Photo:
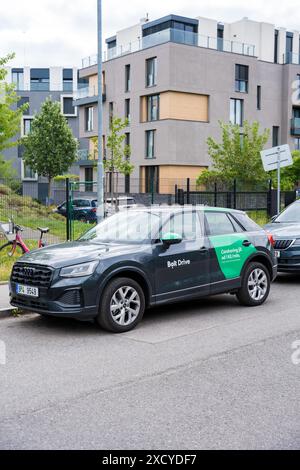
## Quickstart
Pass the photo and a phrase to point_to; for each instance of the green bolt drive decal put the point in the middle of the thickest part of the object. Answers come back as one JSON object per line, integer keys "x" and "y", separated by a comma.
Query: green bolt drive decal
{"x": 231, "y": 253}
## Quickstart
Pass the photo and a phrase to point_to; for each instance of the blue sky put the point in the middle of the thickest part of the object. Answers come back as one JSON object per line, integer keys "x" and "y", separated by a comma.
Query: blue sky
{"x": 62, "y": 32}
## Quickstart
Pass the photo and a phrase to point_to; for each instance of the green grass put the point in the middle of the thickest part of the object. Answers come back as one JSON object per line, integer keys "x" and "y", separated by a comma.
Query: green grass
{"x": 6, "y": 262}
{"x": 260, "y": 217}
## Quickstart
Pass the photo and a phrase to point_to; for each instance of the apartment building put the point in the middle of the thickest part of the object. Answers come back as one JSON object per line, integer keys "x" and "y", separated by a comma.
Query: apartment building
{"x": 175, "y": 78}
{"x": 34, "y": 85}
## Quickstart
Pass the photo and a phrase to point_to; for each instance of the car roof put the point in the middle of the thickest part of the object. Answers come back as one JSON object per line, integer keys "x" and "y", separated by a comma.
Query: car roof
{"x": 179, "y": 208}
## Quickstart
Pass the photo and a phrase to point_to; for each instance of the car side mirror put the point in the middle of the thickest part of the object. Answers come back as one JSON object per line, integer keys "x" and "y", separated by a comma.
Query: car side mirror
{"x": 171, "y": 238}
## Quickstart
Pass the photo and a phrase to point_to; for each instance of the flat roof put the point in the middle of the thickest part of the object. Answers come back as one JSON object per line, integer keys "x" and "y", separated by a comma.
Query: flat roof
{"x": 181, "y": 19}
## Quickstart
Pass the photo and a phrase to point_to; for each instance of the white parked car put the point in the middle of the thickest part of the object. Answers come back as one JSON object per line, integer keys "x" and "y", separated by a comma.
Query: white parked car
{"x": 121, "y": 203}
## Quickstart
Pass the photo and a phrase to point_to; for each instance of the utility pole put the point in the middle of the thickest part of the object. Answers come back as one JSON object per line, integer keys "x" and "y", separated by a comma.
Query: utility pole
{"x": 100, "y": 172}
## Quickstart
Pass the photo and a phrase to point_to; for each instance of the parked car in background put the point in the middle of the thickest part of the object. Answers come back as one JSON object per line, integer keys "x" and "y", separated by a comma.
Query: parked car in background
{"x": 121, "y": 203}
{"x": 84, "y": 209}
{"x": 285, "y": 229}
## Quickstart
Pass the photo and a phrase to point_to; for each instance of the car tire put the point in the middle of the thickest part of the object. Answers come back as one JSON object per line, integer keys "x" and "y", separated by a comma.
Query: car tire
{"x": 122, "y": 305}
{"x": 256, "y": 283}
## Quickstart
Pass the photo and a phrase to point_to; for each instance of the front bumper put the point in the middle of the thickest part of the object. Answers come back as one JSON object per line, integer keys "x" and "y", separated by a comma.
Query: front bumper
{"x": 66, "y": 298}
{"x": 289, "y": 260}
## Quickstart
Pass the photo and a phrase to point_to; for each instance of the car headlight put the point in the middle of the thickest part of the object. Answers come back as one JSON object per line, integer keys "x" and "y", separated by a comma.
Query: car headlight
{"x": 297, "y": 242}
{"x": 79, "y": 270}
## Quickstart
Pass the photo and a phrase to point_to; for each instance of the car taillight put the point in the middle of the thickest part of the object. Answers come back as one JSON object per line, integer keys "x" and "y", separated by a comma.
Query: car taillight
{"x": 94, "y": 209}
{"x": 271, "y": 239}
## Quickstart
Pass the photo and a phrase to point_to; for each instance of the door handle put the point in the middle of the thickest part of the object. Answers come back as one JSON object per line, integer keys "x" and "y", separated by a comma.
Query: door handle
{"x": 246, "y": 243}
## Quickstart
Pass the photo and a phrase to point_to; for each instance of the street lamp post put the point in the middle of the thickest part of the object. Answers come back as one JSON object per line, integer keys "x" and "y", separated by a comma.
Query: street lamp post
{"x": 100, "y": 172}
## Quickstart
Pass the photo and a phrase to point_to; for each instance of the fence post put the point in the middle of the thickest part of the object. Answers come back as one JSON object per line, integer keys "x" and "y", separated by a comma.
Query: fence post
{"x": 216, "y": 195}
{"x": 234, "y": 193}
{"x": 176, "y": 194}
{"x": 68, "y": 218}
{"x": 188, "y": 183}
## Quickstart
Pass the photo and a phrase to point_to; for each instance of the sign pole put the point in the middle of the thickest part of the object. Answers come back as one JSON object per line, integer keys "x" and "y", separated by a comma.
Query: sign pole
{"x": 100, "y": 173}
{"x": 278, "y": 181}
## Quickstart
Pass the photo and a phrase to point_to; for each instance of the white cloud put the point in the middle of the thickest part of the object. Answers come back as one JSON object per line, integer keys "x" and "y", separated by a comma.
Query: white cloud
{"x": 61, "y": 32}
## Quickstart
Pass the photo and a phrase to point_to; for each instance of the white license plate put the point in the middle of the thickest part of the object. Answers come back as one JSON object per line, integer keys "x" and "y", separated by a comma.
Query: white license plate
{"x": 27, "y": 290}
{"x": 277, "y": 254}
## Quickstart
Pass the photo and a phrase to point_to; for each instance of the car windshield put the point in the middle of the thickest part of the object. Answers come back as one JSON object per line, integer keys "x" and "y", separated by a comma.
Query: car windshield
{"x": 125, "y": 227}
{"x": 290, "y": 214}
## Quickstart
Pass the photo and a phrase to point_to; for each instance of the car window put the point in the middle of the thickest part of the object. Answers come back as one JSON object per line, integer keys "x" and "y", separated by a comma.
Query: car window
{"x": 246, "y": 222}
{"x": 290, "y": 214}
{"x": 94, "y": 203}
{"x": 81, "y": 203}
{"x": 63, "y": 206}
{"x": 219, "y": 223}
{"x": 186, "y": 224}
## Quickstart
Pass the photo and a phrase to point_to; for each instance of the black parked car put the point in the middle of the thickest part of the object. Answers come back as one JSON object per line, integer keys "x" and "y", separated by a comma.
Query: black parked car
{"x": 285, "y": 229}
{"x": 146, "y": 257}
{"x": 84, "y": 209}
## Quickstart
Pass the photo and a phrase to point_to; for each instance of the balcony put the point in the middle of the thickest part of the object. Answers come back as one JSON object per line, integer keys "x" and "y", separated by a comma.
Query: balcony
{"x": 84, "y": 158}
{"x": 88, "y": 95}
{"x": 295, "y": 126}
{"x": 176, "y": 36}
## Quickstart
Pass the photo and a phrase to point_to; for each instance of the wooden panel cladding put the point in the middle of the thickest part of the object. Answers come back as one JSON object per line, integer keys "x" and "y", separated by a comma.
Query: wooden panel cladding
{"x": 179, "y": 105}
{"x": 184, "y": 106}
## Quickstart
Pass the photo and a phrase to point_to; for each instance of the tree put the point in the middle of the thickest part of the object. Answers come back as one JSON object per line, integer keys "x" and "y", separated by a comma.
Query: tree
{"x": 50, "y": 148}
{"x": 290, "y": 175}
{"x": 237, "y": 156}
{"x": 118, "y": 158}
{"x": 10, "y": 117}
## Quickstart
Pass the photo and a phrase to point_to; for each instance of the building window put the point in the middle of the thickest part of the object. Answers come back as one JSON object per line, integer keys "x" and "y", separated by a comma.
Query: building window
{"x": 258, "y": 97}
{"x": 152, "y": 179}
{"x": 111, "y": 113}
{"x": 27, "y": 126}
{"x": 24, "y": 100}
{"x": 89, "y": 118}
{"x": 276, "y": 46}
{"x": 88, "y": 178}
{"x": 297, "y": 143}
{"x": 127, "y": 177}
{"x": 28, "y": 173}
{"x": 67, "y": 106}
{"x": 237, "y": 112}
{"x": 289, "y": 48}
{"x": 275, "y": 136}
{"x": 153, "y": 108}
{"x": 241, "y": 78}
{"x": 220, "y": 40}
{"x": 127, "y": 110}
{"x": 150, "y": 144}
{"x": 151, "y": 72}
{"x": 39, "y": 80}
{"x": 18, "y": 79}
{"x": 68, "y": 80}
{"x": 127, "y": 78}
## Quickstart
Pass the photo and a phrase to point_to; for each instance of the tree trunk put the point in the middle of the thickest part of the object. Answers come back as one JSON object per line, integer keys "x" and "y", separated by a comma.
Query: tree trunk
{"x": 49, "y": 190}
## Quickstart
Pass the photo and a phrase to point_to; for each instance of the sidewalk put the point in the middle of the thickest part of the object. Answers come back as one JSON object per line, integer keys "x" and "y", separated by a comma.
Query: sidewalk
{"x": 5, "y": 307}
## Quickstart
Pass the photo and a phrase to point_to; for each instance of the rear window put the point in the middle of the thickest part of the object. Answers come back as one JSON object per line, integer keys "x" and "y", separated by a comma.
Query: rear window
{"x": 219, "y": 223}
{"x": 246, "y": 222}
{"x": 81, "y": 203}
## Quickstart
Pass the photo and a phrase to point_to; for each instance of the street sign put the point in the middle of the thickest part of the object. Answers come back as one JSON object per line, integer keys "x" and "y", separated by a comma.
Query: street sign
{"x": 274, "y": 159}
{"x": 270, "y": 157}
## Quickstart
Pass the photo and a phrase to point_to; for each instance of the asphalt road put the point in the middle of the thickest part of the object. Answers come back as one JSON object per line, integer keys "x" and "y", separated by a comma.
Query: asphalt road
{"x": 205, "y": 375}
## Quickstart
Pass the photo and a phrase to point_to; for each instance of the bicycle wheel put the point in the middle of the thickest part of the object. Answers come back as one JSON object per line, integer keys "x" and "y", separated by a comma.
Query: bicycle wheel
{"x": 12, "y": 250}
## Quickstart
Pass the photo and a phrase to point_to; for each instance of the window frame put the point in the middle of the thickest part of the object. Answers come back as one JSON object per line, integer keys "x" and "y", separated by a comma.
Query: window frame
{"x": 149, "y": 132}
{"x": 151, "y": 60}
{"x": 241, "y": 111}
{"x": 89, "y": 119}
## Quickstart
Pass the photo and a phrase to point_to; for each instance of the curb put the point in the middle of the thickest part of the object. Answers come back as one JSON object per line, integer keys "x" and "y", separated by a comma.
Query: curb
{"x": 6, "y": 312}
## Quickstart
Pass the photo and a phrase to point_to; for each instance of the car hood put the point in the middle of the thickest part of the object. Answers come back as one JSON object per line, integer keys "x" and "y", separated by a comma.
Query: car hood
{"x": 284, "y": 230}
{"x": 68, "y": 254}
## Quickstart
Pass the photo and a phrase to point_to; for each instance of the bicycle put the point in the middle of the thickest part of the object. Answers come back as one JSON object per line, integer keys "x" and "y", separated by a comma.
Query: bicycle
{"x": 18, "y": 247}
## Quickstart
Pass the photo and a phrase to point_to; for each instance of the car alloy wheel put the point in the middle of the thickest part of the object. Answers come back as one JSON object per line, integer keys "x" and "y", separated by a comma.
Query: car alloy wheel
{"x": 257, "y": 284}
{"x": 125, "y": 305}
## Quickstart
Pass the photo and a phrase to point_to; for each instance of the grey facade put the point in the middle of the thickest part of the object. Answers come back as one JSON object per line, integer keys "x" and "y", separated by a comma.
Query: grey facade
{"x": 270, "y": 96}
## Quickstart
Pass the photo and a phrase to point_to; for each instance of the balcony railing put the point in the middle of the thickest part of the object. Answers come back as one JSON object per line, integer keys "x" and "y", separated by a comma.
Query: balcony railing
{"x": 295, "y": 126}
{"x": 89, "y": 92}
{"x": 177, "y": 36}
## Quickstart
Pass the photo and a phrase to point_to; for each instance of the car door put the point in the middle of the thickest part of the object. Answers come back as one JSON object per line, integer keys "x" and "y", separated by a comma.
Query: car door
{"x": 181, "y": 270}
{"x": 229, "y": 249}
